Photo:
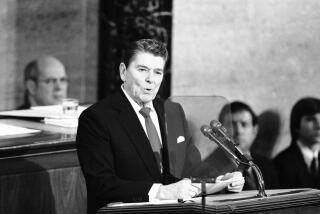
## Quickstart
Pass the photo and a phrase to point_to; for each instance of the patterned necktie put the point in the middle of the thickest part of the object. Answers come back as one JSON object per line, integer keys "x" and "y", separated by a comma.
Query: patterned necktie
{"x": 152, "y": 135}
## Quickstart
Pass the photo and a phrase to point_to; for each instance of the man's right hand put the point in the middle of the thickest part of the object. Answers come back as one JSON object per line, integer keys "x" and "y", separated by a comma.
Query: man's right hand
{"x": 180, "y": 190}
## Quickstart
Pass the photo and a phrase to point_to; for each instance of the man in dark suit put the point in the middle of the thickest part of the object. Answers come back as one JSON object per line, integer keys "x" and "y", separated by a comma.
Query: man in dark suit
{"x": 242, "y": 123}
{"x": 117, "y": 152}
{"x": 298, "y": 165}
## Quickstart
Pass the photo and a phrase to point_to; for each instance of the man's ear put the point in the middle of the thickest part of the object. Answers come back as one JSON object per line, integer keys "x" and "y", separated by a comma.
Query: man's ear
{"x": 123, "y": 71}
{"x": 31, "y": 86}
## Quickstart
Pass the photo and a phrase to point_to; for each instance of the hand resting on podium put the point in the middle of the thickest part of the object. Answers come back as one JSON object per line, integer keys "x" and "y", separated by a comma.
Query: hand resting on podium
{"x": 234, "y": 181}
{"x": 185, "y": 189}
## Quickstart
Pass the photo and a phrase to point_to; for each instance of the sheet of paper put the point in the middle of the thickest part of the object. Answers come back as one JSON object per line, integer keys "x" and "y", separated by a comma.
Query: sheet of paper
{"x": 68, "y": 122}
{"x": 120, "y": 204}
{"x": 15, "y": 130}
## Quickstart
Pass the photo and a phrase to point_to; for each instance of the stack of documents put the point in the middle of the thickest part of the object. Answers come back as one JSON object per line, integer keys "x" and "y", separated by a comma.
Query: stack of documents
{"x": 15, "y": 130}
{"x": 48, "y": 114}
{"x": 65, "y": 122}
{"x": 54, "y": 115}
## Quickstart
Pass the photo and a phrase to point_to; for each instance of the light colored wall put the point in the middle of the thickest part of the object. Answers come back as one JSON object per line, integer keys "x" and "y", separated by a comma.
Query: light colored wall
{"x": 264, "y": 52}
{"x": 65, "y": 29}
{"x": 7, "y": 53}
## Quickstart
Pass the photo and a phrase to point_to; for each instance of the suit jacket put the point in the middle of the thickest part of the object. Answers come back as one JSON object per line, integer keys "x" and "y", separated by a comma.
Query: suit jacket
{"x": 115, "y": 154}
{"x": 268, "y": 171}
{"x": 26, "y": 104}
{"x": 293, "y": 171}
{"x": 183, "y": 154}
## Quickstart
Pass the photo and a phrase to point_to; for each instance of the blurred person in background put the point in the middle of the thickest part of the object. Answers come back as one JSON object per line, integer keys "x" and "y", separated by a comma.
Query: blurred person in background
{"x": 46, "y": 82}
{"x": 298, "y": 165}
{"x": 242, "y": 123}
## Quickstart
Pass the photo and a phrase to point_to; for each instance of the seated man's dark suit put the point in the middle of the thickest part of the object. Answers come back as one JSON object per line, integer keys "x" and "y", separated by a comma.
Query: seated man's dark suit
{"x": 115, "y": 154}
{"x": 25, "y": 105}
{"x": 268, "y": 171}
{"x": 293, "y": 171}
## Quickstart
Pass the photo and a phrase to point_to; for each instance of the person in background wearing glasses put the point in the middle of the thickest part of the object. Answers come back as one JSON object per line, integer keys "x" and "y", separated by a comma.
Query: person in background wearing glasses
{"x": 46, "y": 82}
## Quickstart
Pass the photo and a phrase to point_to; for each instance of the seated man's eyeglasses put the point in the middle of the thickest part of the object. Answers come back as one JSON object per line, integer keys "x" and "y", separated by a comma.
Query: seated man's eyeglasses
{"x": 52, "y": 81}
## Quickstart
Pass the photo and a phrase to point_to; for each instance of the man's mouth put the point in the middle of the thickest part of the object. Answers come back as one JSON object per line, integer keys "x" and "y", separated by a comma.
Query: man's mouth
{"x": 148, "y": 90}
{"x": 57, "y": 96}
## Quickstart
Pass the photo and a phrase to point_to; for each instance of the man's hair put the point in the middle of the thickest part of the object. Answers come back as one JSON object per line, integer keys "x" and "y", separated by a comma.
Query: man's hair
{"x": 304, "y": 107}
{"x": 235, "y": 107}
{"x": 152, "y": 46}
{"x": 31, "y": 71}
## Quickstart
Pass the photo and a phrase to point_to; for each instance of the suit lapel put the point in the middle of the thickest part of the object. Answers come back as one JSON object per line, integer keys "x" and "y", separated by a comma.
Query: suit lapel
{"x": 304, "y": 173}
{"x": 159, "y": 107}
{"x": 133, "y": 128}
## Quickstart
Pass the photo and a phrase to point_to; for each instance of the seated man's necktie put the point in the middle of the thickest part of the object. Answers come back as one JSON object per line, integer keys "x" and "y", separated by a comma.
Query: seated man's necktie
{"x": 314, "y": 168}
{"x": 152, "y": 135}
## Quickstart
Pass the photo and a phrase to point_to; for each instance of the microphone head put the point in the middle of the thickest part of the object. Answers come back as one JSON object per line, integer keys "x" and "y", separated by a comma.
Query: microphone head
{"x": 215, "y": 124}
{"x": 205, "y": 129}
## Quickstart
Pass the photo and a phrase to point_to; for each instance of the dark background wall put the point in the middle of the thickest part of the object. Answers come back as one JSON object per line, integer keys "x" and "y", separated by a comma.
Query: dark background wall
{"x": 122, "y": 22}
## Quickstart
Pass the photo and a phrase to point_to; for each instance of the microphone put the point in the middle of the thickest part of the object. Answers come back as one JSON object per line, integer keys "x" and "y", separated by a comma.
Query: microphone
{"x": 222, "y": 130}
{"x": 217, "y": 126}
{"x": 205, "y": 129}
{"x": 208, "y": 132}
{"x": 241, "y": 159}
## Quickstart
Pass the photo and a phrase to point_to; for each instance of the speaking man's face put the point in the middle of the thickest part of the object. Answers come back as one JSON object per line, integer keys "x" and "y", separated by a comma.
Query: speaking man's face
{"x": 143, "y": 76}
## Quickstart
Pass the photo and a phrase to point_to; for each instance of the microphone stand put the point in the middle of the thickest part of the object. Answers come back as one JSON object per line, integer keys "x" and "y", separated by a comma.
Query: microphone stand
{"x": 258, "y": 174}
{"x": 247, "y": 162}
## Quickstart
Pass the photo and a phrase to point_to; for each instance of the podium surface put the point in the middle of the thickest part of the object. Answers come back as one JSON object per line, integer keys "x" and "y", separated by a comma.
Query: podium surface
{"x": 278, "y": 201}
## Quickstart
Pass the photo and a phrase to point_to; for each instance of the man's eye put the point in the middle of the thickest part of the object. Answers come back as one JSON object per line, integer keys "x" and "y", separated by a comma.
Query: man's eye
{"x": 49, "y": 81}
{"x": 142, "y": 69}
{"x": 244, "y": 124}
{"x": 64, "y": 80}
{"x": 310, "y": 118}
{"x": 158, "y": 72}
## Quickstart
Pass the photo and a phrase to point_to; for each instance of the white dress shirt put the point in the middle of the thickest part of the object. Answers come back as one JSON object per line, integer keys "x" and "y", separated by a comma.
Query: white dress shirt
{"x": 308, "y": 154}
{"x": 154, "y": 117}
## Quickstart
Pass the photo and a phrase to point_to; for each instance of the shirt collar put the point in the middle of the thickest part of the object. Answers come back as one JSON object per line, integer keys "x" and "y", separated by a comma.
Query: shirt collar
{"x": 306, "y": 151}
{"x": 135, "y": 105}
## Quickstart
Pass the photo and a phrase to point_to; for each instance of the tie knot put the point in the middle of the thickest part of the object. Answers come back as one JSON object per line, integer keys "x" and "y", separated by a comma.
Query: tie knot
{"x": 145, "y": 111}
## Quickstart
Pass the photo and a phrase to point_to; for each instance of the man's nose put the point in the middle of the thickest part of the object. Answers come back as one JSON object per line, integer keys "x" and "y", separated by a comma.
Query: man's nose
{"x": 237, "y": 129}
{"x": 59, "y": 83}
{"x": 150, "y": 77}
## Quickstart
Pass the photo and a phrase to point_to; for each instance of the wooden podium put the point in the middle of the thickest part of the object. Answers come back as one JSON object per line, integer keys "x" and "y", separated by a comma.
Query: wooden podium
{"x": 40, "y": 172}
{"x": 278, "y": 201}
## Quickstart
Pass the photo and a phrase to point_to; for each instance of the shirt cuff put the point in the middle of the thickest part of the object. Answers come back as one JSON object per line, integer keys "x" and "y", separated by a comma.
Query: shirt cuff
{"x": 153, "y": 192}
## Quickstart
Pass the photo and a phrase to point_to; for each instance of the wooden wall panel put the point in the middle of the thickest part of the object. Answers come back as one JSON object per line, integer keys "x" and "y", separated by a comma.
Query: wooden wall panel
{"x": 54, "y": 191}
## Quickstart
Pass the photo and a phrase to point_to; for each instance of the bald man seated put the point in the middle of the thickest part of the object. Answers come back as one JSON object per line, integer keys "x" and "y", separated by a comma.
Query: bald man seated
{"x": 46, "y": 82}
